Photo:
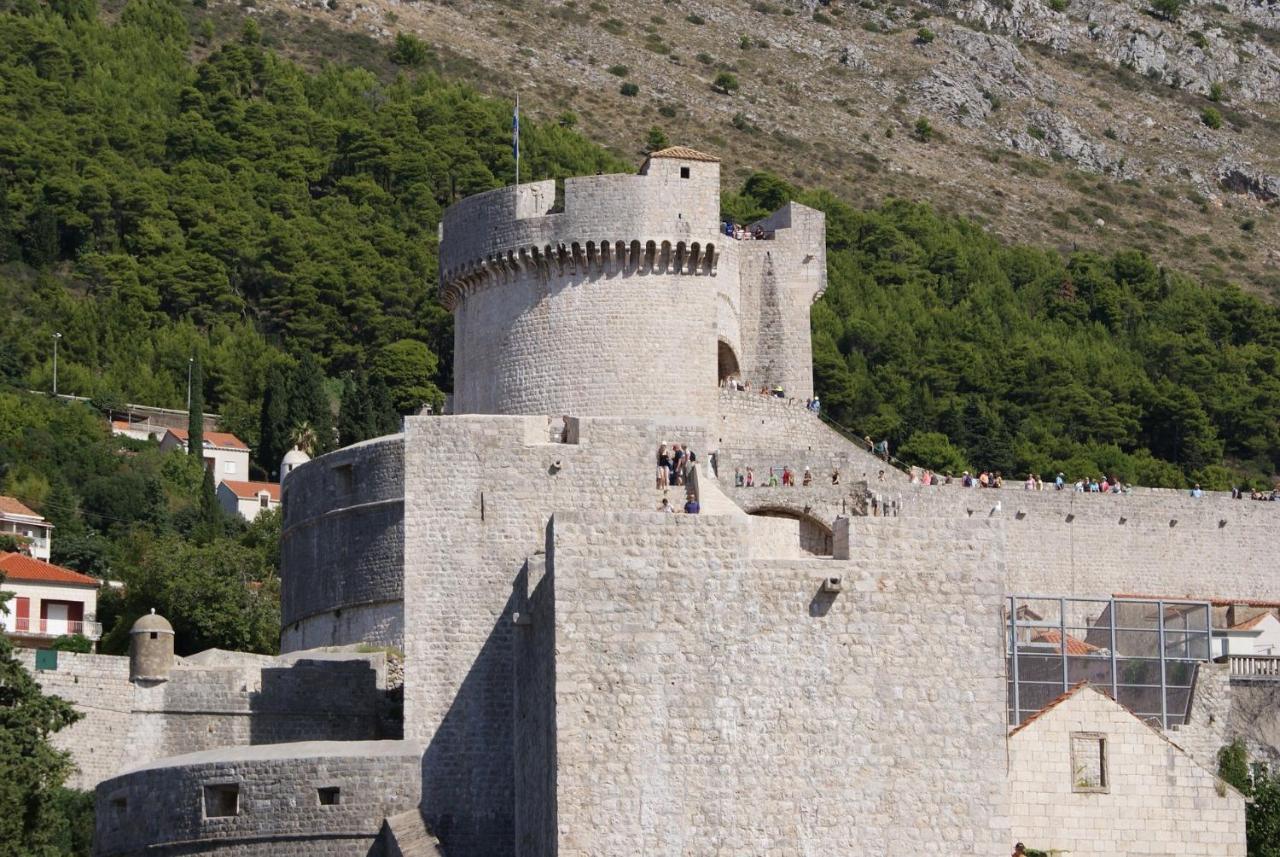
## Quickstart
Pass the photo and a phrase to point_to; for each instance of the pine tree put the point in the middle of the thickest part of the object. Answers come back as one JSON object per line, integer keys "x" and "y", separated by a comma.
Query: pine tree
{"x": 309, "y": 402}
{"x": 273, "y": 425}
{"x": 195, "y": 412}
{"x": 9, "y": 247}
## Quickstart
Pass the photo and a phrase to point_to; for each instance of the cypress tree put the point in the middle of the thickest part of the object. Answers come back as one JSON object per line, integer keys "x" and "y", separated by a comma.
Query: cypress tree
{"x": 273, "y": 422}
{"x": 10, "y": 249}
{"x": 195, "y": 413}
{"x": 354, "y": 411}
{"x": 384, "y": 418}
{"x": 309, "y": 402}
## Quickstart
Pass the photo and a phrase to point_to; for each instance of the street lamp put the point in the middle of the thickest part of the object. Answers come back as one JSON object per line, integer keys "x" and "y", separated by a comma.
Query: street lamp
{"x": 190, "y": 361}
{"x": 56, "y": 337}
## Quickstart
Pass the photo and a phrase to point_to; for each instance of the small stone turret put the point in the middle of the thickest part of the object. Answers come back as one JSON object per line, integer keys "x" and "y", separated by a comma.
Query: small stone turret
{"x": 293, "y": 458}
{"x": 150, "y": 648}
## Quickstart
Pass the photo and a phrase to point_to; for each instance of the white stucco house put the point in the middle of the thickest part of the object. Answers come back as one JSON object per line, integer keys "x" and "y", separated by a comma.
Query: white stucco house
{"x": 49, "y": 601}
{"x": 29, "y": 526}
{"x": 1089, "y": 779}
{"x": 248, "y": 499}
{"x": 224, "y": 453}
{"x": 1259, "y": 635}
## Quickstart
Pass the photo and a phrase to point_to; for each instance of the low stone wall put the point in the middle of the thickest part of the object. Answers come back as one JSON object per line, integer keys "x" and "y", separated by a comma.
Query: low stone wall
{"x": 272, "y": 801}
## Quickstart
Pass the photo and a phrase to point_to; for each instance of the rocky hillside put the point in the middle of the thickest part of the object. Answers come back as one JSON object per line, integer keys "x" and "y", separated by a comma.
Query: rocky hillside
{"x": 1088, "y": 123}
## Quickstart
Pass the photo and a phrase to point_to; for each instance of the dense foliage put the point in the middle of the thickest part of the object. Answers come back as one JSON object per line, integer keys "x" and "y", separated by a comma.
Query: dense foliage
{"x": 38, "y": 817}
{"x": 1261, "y": 786}
{"x": 964, "y": 351}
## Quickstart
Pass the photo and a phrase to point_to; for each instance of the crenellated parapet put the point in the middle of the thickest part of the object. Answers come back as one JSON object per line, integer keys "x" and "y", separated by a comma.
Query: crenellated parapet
{"x": 580, "y": 258}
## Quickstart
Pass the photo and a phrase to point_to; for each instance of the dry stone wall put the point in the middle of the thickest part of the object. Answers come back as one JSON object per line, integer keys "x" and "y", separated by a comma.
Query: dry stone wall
{"x": 342, "y": 548}
{"x": 710, "y": 704}
{"x": 162, "y": 809}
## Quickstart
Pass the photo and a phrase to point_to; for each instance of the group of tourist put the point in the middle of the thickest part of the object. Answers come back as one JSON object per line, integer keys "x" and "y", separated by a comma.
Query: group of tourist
{"x": 1255, "y": 494}
{"x": 738, "y": 232}
{"x": 674, "y": 466}
{"x": 781, "y": 477}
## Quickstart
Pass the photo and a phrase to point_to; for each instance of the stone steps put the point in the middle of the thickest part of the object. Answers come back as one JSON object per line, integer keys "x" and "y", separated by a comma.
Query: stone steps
{"x": 406, "y": 835}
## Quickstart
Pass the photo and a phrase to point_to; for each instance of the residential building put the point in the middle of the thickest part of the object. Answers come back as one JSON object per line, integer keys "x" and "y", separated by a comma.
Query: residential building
{"x": 248, "y": 499}
{"x": 49, "y": 601}
{"x": 226, "y": 455}
{"x": 1259, "y": 635}
{"x": 35, "y": 532}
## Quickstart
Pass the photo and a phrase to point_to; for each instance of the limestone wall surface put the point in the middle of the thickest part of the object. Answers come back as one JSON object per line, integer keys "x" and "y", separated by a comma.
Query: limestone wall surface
{"x": 162, "y": 808}
{"x": 479, "y": 492}
{"x": 1157, "y": 800}
{"x": 710, "y": 704}
{"x": 1146, "y": 543}
{"x": 99, "y": 688}
{"x": 342, "y": 548}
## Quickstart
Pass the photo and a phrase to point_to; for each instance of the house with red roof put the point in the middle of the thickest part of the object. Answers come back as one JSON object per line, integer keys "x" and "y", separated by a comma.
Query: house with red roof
{"x": 226, "y": 455}
{"x": 35, "y": 533}
{"x": 1259, "y": 635}
{"x": 48, "y": 601}
{"x": 248, "y": 499}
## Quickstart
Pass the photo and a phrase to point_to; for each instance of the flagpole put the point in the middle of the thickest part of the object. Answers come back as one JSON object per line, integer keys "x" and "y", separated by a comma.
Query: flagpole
{"x": 516, "y": 134}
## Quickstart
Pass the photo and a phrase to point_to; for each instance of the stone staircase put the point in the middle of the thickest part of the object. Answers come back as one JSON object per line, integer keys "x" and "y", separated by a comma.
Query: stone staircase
{"x": 406, "y": 835}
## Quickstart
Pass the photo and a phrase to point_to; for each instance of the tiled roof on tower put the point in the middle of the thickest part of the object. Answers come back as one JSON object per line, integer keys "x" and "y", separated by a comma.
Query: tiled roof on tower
{"x": 684, "y": 153}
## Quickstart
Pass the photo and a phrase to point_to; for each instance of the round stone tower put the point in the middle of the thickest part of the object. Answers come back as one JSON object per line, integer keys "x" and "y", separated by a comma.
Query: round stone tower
{"x": 292, "y": 459}
{"x": 608, "y": 303}
{"x": 150, "y": 648}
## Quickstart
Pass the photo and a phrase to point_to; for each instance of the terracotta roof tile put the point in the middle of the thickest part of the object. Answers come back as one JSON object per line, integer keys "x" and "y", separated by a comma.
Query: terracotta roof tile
{"x": 10, "y": 506}
{"x": 1053, "y": 703}
{"x": 1250, "y": 624}
{"x": 250, "y": 490}
{"x": 220, "y": 439}
{"x": 16, "y": 566}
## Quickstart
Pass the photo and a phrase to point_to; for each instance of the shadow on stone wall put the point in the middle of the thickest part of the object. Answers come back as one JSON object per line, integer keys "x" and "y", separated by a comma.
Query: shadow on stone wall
{"x": 321, "y": 700}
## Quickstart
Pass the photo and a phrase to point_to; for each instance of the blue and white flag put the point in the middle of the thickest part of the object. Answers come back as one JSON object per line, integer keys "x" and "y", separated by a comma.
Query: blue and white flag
{"x": 515, "y": 132}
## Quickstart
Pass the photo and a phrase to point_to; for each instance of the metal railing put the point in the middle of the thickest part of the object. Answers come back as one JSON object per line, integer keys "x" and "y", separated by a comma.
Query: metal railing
{"x": 1255, "y": 667}
{"x": 50, "y": 627}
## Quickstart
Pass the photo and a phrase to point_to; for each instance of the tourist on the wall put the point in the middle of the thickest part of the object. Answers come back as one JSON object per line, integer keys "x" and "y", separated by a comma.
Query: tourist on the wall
{"x": 691, "y": 505}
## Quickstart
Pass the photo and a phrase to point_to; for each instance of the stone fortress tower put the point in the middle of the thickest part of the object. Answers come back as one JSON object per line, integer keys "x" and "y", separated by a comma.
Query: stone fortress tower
{"x": 627, "y": 298}
{"x": 815, "y": 669}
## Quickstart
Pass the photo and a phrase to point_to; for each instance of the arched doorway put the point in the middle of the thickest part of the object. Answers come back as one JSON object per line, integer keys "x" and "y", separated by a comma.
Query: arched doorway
{"x": 728, "y": 362}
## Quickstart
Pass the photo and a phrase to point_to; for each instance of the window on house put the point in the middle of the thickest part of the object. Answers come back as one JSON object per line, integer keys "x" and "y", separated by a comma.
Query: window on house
{"x": 329, "y": 795}
{"x": 263, "y": 500}
{"x": 684, "y": 172}
{"x": 221, "y": 800}
{"x": 228, "y": 467}
{"x": 1088, "y": 762}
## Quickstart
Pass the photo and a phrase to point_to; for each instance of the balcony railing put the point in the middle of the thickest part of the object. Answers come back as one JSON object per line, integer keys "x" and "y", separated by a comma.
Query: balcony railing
{"x": 1255, "y": 667}
{"x": 26, "y": 627}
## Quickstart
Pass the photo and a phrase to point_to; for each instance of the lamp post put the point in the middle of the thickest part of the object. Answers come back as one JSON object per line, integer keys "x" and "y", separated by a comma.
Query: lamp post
{"x": 56, "y": 337}
{"x": 190, "y": 361}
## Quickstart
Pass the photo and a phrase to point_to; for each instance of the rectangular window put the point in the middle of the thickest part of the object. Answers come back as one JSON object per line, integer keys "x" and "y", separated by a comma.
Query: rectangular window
{"x": 346, "y": 478}
{"x": 684, "y": 172}
{"x": 263, "y": 500}
{"x": 221, "y": 800}
{"x": 1088, "y": 762}
{"x": 329, "y": 795}
{"x": 228, "y": 467}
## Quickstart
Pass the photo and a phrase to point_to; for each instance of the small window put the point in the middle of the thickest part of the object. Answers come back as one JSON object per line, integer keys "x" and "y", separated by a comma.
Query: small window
{"x": 684, "y": 172}
{"x": 263, "y": 500}
{"x": 155, "y": 635}
{"x": 1088, "y": 762}
{"x": 329, "y": 795}
{"x": 346, "y": 478}
{"x": 222, "y": 800}
{"x": 119, "y": 809}
{"x": 228, "y": 467}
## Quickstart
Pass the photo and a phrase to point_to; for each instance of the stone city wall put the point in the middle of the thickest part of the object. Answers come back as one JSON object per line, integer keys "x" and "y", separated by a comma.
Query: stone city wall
{"x": 1147, "y": 543}
{"x": 164, "y": 809}
{"x": 709, "y": 704}
{"x": 342, "y": 548}
{"x": 1156, "y": 799}
{"x": 246, "y": 699}
{"x": 479, "y": 491}
{"x": 99, "y": 688}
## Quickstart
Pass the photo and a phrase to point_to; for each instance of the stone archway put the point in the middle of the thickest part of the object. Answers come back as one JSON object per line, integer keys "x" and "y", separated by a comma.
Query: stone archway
{"x": 815, "y": 536}
{"x": 727, "y": 361}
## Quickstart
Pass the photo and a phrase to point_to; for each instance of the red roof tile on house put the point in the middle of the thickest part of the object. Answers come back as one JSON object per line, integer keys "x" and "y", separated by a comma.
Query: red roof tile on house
{"x": 1074, "y": 646}
{"x": 220, "y": 439}
{"x": 16, "y": 566}
{"x": 251, "y": 490}
{"x": 10, "y": 506}
{"x": 1250, "y": 624}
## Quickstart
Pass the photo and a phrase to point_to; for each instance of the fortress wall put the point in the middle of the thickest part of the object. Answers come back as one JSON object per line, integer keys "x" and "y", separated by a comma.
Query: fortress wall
{"x": 1168, "y": 543}
{"x": 753, "y": 429}
{"x": 342, "y": 548}
{"x": 479, "y": 493}
{"x": 598, "y": 342}
{"x": 748, "y": 713}
{"x": 660, "y": 206}
{"x": 160, "y": 809}
{"x": 99, "y": 688}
